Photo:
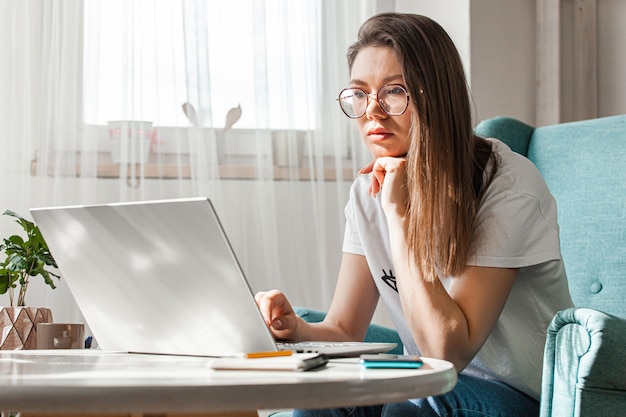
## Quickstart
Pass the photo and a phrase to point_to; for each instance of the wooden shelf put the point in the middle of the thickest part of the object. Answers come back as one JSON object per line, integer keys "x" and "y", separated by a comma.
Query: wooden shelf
{"x": 173, "y": 166}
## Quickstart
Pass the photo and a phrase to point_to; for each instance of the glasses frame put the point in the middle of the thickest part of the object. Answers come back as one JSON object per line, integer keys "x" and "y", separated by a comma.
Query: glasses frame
{"x": 375, "y": 96}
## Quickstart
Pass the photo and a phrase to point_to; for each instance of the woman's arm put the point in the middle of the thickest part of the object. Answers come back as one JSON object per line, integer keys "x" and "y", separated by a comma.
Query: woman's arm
{"x": 354, "y": 300}
{"x": 348, "y": 317}
{"x": 454, "y": 325}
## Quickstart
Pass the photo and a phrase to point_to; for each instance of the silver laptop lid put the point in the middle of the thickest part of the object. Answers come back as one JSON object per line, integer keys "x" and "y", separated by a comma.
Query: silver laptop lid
{"x": 155, "y": 277}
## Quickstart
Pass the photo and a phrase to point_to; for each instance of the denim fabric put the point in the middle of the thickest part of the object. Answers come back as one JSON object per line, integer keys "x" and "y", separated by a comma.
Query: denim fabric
{"x": 472, "y": 397}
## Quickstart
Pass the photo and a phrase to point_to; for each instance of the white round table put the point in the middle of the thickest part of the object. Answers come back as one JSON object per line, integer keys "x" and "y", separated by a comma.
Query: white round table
{"x": 99, "y": 382}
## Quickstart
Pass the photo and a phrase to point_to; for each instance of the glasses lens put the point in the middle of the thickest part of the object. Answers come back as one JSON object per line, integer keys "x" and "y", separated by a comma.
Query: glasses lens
{"x": 393, "y": 99}
{"x": 353, "y": 102}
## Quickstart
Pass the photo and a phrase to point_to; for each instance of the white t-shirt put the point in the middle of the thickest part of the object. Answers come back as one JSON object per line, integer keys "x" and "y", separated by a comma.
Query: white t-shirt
{"x": 516, "y": 228}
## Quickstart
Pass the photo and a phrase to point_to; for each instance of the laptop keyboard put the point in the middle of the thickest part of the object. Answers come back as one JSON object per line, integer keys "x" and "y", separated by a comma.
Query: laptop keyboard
{"x": 305, "y": 347}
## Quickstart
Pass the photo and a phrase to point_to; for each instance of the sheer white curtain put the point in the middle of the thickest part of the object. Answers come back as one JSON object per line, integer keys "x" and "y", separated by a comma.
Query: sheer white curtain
{"x": 76, "y": 74}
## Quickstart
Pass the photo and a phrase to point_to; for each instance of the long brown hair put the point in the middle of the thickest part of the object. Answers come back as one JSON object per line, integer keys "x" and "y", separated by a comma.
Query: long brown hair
{"x": 446, "y": 162}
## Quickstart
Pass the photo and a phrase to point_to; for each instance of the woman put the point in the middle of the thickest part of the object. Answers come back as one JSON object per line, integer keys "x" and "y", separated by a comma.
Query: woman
{"x": 456, "y": 233}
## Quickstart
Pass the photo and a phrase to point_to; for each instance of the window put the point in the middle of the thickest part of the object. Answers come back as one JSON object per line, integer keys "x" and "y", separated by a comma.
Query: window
{"x": 144, "y": 58}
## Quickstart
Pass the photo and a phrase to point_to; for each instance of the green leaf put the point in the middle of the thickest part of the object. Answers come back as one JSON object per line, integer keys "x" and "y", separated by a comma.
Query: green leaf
{"x": 17, "y": 262}
{"x": 28, "y": 226}
{"x": 47, "y": 279}
{"x": 7, "y": 280}
{"x": 15, "y": 241}
{"x": 25, "y": 257}
{"x": 11, "y": 213}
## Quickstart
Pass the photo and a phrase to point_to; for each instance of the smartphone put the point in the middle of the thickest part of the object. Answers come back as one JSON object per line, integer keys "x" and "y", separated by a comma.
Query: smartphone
{"x": 313, "y": 362}
{"x": 387, "y": 360}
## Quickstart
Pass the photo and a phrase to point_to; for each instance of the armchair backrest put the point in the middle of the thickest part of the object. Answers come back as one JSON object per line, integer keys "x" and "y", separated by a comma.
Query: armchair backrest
{"x": 584, "y": 165}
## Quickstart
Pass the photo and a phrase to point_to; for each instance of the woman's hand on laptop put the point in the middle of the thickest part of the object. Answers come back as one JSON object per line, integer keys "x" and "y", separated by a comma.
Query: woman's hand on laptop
{"x": 283, "y": 322}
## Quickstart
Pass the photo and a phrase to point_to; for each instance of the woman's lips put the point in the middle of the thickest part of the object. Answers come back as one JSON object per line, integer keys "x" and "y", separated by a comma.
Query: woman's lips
{"x": 378, "y": 134}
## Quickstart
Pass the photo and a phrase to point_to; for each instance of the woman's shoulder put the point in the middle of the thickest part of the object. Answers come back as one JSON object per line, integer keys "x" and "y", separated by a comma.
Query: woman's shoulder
{"x": 359, "y": 189}
{"x": 517, "y": 190}
{"x": 515, "y": 172}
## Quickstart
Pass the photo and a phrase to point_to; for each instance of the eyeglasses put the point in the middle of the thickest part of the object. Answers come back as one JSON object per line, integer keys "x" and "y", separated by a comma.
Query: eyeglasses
{"x": 393, "y": 99}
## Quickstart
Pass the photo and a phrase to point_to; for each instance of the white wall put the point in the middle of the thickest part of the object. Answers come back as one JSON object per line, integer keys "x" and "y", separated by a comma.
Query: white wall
{"x": 453, "y": 15}
{"x": 502, "y": 59}
{"x": 611, "y": 57}
{"x": 496, "y": 40}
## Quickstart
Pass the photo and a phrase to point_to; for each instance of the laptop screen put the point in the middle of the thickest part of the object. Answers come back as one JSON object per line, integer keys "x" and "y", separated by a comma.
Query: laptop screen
{"x": 155, "y": 277}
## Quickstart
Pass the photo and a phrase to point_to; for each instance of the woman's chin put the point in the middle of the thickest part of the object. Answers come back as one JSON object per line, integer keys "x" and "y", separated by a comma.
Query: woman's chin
{"x": 389, "y": 154}
{"x": 379, "y": 151}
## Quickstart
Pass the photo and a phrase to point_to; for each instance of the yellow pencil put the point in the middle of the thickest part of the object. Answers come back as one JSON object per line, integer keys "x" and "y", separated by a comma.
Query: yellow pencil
{"x": 269, "y": 354}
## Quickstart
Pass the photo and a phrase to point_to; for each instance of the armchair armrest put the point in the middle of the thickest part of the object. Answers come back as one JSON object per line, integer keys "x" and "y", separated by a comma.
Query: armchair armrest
{"x": 584, "y": 369}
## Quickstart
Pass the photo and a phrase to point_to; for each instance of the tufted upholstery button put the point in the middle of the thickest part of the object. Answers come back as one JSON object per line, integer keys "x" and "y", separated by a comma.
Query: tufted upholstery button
{"x": 596, "y": 287}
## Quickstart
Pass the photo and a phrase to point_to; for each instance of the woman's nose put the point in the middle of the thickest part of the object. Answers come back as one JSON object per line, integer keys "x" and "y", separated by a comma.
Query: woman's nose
{"x": 374, "y": 109}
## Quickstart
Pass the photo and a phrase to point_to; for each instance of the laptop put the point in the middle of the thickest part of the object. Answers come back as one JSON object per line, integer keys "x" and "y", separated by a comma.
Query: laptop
{"x": 161, "y": 277}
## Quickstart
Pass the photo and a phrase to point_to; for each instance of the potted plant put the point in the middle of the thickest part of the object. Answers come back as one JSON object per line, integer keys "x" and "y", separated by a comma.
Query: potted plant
{"x": 25, "y": 258}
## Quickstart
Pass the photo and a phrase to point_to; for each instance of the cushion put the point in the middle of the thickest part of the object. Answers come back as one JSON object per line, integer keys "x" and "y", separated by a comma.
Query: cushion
{"x": 514, "y": 133}
{"x": 584, "y": 165}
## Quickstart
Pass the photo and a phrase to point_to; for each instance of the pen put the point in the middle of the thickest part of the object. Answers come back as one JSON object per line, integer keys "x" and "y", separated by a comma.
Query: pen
{"x": 269, "y": 354}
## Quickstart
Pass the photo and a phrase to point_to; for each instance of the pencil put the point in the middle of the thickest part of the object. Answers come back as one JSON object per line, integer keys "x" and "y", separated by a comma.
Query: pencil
{"x": 269, "y": 354}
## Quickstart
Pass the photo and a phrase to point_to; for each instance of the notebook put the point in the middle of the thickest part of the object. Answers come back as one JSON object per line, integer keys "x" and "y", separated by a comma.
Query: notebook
{"x": 161, "y": 277}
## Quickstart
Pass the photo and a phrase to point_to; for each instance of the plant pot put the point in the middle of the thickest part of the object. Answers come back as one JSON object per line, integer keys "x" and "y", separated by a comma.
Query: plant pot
{"x": 19, "y": 326}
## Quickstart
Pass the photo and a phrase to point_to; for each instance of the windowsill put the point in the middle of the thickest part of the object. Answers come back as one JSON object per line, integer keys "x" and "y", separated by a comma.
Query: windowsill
{"x": 173, "y": 166}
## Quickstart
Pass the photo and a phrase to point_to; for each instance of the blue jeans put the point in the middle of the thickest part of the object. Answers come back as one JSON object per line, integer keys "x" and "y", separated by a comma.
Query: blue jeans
{"x": 472, "y": 397}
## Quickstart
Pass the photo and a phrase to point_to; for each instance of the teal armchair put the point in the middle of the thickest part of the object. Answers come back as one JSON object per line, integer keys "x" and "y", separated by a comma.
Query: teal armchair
{"x": 584, "y": 164}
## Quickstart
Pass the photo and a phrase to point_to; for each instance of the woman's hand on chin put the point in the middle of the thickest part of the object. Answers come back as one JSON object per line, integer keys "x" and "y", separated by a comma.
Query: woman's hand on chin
{"x": 392, "y": 172}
